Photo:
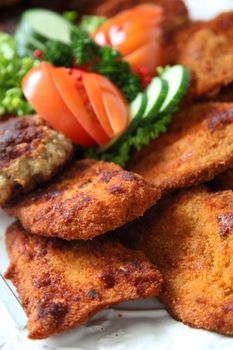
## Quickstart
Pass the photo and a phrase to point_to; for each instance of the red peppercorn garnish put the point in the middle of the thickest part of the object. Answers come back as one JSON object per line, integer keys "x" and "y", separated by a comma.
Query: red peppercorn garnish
{"x": 143, "y": 71}
{"x": 69, "y": 70}
{"x": 38, "y": 53}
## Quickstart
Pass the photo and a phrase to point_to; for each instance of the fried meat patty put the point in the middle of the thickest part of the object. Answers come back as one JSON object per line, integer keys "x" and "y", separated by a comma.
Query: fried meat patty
{"x": 197, "y": 146}
{"x": 209, "y": 58}
{"x": 206, "y": 48}
{"x": 189, "y": 236}
{"x": 88, "y": 199}
{"x": 30, "y": 153}
{"x": 63, "y": 284}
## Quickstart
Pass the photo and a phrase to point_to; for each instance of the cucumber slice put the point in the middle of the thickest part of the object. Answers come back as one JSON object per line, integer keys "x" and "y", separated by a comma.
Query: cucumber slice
{"x": 137, "y": 107}
{"x": 48, "y": 25}
{"x": 45, "y": 25}
{"x": 156, "y": 93}
{"x": 177, "y": 78}
{"x": 136, "y": 110}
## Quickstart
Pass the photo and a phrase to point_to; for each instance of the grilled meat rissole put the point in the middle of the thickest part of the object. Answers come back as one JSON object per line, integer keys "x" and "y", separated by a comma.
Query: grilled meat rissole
{"x": 30, "y": 152}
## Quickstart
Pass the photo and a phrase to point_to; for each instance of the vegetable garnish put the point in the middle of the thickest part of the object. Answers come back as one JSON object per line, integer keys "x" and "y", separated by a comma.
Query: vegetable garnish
{"x": 88, "y": 91}
{"x": 74, "y": 102}
{"x": 150, "y": 113}
{"x": 91, "y": 23}
{"x": 12, "y": 70}
{"x": 136, "y": 33}
{"x": 63, "y": 44}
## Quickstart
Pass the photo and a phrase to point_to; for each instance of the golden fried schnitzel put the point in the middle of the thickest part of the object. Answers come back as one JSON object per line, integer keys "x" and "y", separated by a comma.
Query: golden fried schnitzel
{"x": 30, "y": 152}
{"x": 63, "y": 284}
{"x": 189, "y": 236}
{"x": 197, "y": 146}
{"x": 87, "y": 200}
{"x": 205, "y": 47}
{"x": 210, "y": 61}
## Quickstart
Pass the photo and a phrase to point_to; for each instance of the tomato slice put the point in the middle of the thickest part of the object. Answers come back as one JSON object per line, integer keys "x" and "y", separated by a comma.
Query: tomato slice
{"x": 137, "y": 40}
{"x": 132, "y": 32}
{"x": 74, "y": 95}
{"x": 117, "y": 113}
{"x": 43, "y": 96}
{"x": 94, "y": 93}
{"x": 149, "y": 56}
{"x": 114, "y": 104}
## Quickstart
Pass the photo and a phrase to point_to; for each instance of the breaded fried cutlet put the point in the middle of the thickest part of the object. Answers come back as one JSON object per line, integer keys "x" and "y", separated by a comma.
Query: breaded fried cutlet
{"x": 189, "y": 236}
{"x": 209, "y": 58}
{"x": 88, "y": 199}
{"x": 175, "y": 10}
{"x": 197, "y": 146}
{"x": 63, "y": 284}
{"x": 30, "y": 152}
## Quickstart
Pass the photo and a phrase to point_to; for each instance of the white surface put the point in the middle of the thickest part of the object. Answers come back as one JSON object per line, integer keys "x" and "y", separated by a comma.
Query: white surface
{"x": 143, "y": 325}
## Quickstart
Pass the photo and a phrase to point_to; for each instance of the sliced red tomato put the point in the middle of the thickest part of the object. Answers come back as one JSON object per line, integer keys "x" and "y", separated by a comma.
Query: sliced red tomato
{"x": 115, "y": 104}
{"x": 115, "y": 108}
{"x": 149, "y": 56}
{"x": 94, "y": 93}
{"x": 137, "y": 40}
{"x": 132, "y": 32}
{"x": 74, "y": 95}
{"x": 41, "y": 92}
{"x": 117, "y": 111}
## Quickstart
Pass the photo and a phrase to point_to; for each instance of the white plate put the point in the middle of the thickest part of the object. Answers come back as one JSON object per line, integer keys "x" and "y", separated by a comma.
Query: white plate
{"x": 141, "y": 325}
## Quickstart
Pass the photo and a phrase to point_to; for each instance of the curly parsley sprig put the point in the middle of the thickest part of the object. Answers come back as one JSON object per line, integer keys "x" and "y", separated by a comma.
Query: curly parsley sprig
{"x": 12, "y": 70}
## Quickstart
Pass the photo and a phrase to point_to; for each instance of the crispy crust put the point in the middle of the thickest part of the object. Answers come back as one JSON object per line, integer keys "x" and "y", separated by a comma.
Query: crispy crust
{"x": 206, "y": 48}
{"x": 189, "y": 236}
{"x": 63, "y": 284}
{"x": 210, "y": 61}
{"x": 87, "y": 200}
{"x": 30, "y": 153}
{"x": 198, "y": 145}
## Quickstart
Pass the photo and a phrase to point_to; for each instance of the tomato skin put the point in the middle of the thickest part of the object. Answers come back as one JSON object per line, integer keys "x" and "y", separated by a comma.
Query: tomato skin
{"x": 40, "y": 91}
{"x": 93, "y": 89}
{"x": 134, "y": 29}
{"x": 73, "y": 93}
{"x": 86, "y": 107}
{"x": 142, "y": 58}
{"x": 115, "y": 108}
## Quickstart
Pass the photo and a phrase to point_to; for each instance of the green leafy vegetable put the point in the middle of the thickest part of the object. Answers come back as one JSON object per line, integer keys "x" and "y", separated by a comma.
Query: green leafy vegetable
{"x": 58, "y": 54}
{"x": 91, "y": 23}
{"x": 70, "y": 16}
{"x": 12, "y": 70}
{"x": 141, "y": 138}
{"x": 106, "y": 61}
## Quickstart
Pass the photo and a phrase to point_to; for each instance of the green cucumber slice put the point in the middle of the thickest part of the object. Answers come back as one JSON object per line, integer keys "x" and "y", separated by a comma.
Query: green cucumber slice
{"x": 156, "y": 93}
{"x": 177, "y": 78}
{"x": 44, "y": 25}
{"x": 137, "y": 107}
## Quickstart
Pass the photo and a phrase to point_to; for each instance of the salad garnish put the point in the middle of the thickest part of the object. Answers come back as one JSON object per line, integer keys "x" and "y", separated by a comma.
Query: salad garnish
{"x": 87, "y": 89}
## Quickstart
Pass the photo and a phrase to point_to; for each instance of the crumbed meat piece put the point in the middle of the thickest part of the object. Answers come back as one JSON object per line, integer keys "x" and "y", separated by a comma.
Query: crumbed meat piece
{"x": 88, "y": 199}
{"x": 197, "y": 146}
{"x": 30, "y": 153}
{"x": 189, "y": 236}
{"x": 63, "y": 284}
{"x": 210, "y": 61}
